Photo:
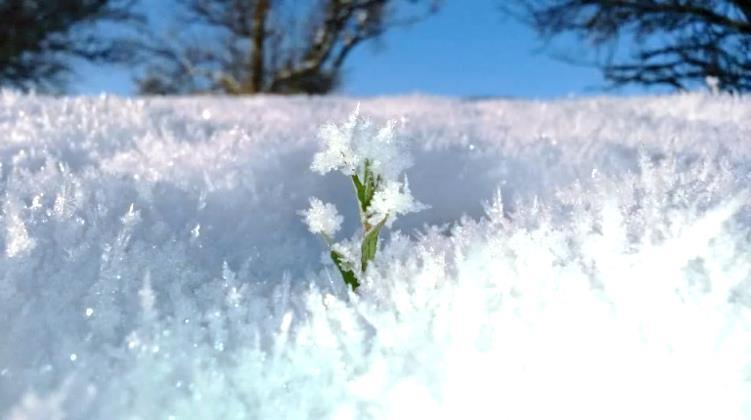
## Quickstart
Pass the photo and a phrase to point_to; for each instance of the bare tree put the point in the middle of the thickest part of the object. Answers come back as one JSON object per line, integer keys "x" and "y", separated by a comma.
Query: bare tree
{"x": 39, "y": 39}
{"x": 678, "y": 43}
{"x": 279, "y": 46}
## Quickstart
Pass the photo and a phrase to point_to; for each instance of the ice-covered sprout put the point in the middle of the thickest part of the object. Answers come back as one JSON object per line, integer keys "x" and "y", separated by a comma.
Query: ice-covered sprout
{"x": 375, "y": 158}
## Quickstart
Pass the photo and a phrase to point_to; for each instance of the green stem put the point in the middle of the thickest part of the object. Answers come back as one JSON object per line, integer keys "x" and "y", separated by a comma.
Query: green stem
{"x": 369, "y": 245}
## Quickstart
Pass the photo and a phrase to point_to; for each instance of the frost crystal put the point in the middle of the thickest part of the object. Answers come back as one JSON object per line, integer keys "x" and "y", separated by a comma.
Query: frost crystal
{"x": 338, "y": 154}
{"x": 393, "y": 199}
{"x": 147, "y": 297}
{"x": 322, "y": 218}
{"x": 349, "y": 145}
{"x": 17, "y": 240}
{"x": 33, "y": 407}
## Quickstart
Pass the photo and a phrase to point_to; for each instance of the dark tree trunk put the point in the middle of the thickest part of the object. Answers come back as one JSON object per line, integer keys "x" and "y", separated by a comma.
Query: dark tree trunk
{"x": 257, "y": 55}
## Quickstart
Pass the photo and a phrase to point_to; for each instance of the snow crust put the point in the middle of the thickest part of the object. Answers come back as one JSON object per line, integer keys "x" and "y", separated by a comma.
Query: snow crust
{"x": 581, "y": 258}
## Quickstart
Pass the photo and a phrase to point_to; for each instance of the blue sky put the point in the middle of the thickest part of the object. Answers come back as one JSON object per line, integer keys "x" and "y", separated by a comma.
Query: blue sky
{"x": 468, "y": 49}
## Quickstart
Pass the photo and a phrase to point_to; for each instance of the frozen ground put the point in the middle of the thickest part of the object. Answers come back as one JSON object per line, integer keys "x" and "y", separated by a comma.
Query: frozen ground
{"x": 154, "y": 265}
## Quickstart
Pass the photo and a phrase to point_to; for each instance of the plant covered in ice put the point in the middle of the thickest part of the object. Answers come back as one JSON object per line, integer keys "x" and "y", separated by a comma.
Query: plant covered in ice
{"x": 375, "y": 159}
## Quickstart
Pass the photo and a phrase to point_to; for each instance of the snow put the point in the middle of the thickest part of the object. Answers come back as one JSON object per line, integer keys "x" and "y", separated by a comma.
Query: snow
{"x": 581, "y": 258}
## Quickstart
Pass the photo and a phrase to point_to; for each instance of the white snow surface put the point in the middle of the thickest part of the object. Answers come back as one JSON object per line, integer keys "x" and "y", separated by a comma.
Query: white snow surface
{"x": 581, "y": 258}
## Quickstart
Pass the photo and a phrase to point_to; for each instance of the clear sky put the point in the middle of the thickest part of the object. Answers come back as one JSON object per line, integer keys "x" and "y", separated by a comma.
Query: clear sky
{"x": 468, "y": 49}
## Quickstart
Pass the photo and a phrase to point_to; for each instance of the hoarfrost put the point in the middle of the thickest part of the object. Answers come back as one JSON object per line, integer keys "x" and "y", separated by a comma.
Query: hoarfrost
{"x": 623, "y": 295}
{"x": 322, "y": 218}
{"x": 393, "y": 199}
{"x": 347, "y": 146}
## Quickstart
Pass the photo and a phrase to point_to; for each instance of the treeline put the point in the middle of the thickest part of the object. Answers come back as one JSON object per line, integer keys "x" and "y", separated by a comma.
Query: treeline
{"x": 240, "y": 47}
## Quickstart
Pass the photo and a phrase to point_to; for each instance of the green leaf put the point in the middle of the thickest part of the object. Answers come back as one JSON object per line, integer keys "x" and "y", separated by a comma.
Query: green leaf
{"x": 347, "y": 274}
{"x": 370, "y": 244}
{"x": 371, "y": 182}
{"x": 360, "y": 190}
{"x": 366, "y": 187}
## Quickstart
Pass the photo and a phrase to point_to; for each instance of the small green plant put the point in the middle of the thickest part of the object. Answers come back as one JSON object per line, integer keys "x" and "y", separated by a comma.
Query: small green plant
{"x": 375, "y": 159}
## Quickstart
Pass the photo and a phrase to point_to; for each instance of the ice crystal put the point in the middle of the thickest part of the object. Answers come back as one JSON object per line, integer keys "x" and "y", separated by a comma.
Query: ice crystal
{"x": 322, "y": 218}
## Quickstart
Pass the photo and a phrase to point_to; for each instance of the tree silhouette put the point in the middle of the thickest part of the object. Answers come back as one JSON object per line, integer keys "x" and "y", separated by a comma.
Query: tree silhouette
{"x": 678, "y": 43}
{"x": 40, "y": 39}
{"x": 253, "y": 46}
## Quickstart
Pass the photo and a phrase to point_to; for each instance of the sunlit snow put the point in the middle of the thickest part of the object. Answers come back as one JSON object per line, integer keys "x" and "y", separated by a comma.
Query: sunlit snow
{"x": 581, "y": 258}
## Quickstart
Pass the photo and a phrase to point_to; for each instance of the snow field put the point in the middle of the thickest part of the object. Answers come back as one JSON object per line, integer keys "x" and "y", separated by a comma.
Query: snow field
{"x": 586, "y": 258}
